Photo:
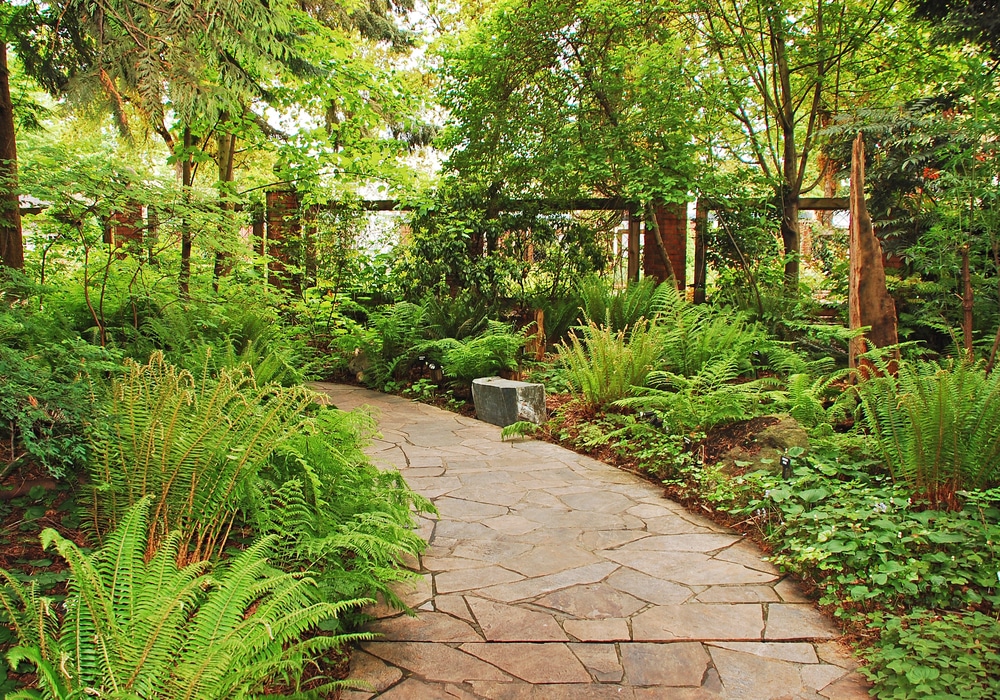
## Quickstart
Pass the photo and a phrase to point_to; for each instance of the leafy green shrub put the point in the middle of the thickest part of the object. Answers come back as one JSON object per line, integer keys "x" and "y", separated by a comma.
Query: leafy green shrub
{"x": 605, "y": 364}
{"x": 936, "y": 428}
{"x": 197, "y": 446}
{"x": 484, "y": 355}
{"x": 138, "y": 628}
{"x": 461, "y": 316}
{"x": 45, "y": 395}
{"x": 924, "y": 654}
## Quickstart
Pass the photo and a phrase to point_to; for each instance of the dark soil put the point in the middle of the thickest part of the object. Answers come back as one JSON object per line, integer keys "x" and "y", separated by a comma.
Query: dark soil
{"x": 742, "y": 434}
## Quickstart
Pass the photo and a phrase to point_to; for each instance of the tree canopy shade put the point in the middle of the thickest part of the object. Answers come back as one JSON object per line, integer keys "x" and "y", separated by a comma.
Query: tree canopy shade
{"x": 569, "y": 98}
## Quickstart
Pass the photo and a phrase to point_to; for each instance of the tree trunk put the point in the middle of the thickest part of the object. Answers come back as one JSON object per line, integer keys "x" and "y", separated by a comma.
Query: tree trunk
{"x": 869, "y": 303}
{"x": 227, "y": 152}
{"x": 184, "y": 278}
{"x": 11, "y": 241}
{"x": 700, "y": 233}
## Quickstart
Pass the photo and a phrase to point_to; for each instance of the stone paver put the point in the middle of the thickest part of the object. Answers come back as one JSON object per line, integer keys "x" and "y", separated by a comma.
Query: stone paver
{"x": 551, "y": 575}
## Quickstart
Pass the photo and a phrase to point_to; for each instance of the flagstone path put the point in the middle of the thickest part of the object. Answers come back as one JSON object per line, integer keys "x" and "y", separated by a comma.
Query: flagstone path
{"x": 551, "y": 575}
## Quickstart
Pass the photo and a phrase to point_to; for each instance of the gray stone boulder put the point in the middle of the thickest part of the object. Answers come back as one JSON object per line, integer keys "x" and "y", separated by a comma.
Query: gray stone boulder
{"x": 505, "y": 401}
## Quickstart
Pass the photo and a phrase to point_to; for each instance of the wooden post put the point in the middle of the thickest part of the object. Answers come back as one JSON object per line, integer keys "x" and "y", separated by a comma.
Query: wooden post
{"x": 967, "y": 304}
{"x": 700, "y": 267}
{"x": 634, "y": 221}
{"x": 869, "y": 303}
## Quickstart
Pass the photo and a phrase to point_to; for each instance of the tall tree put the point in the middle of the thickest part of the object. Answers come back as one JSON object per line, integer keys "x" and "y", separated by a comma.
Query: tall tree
{"x": 11, "y": 244}
{"x": 781, "y": 68}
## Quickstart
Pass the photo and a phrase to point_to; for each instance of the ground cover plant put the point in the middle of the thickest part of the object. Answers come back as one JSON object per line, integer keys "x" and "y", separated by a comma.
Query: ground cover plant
{"x": 185, "y": 239}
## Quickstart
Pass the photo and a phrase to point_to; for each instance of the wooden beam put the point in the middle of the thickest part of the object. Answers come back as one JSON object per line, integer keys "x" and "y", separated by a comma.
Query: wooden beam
{"x": 825, "y": 203}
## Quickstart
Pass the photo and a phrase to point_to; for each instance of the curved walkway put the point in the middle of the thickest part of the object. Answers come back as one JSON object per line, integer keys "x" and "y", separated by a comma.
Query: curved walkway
{"x": 551, "y": 575}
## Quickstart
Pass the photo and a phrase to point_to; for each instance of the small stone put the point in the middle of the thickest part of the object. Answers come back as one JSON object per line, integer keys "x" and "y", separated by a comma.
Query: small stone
{"x": 503, "y": 401}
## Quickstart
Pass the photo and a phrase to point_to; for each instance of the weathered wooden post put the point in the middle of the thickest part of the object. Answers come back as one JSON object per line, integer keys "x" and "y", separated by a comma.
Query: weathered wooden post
{"x": 869, "y": 303}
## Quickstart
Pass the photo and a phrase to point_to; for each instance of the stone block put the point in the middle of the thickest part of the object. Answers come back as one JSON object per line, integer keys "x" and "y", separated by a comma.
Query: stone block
{"x": 504, "y": 401}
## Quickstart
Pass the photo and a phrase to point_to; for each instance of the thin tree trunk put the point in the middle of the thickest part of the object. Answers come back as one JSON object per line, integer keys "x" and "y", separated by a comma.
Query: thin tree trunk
{"x": 11, "y": 241}
{"x": 184, "y": 278}
{"x": 658, "y": 239}
{"x": 227, "y": 152}
{"x": 700, "y": 233}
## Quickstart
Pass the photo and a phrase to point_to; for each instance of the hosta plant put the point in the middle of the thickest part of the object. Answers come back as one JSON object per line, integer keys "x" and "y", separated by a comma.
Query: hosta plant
{"x": 132, "y": 628}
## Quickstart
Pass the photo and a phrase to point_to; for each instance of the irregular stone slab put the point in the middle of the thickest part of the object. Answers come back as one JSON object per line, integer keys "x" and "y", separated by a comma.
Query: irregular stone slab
{"x": 796, "y": 652}
{"x": 738, "y": 594}
{"x": 413, "y": 594}
{"x": 594, "y": 501}
{"x": 552, "y": 559}
{"x": 688, "y": 568}
{"x": 790, "y": 591}
{"x": 494, "y": 494}
{"x": 469, "y": 579}
{"x": 819, "y": 676}
{"x": 568, "y": 691}
{"x": 440, "y": 564}
{"x": 491, "y": 551}
{"x": 672, "y": 665}
{"x": 372, "y": 673}
{"x": 706, "y": 542}
{"x": 592, "y": 602}
{"x": 609, "y": 539}
{"x": 472, "y": 511}
{"x": 836, "y": 653}
{"x": 534, "y": 587}
{"x": 508, "y": 623}
{"x": 598, "y": 630}
{"x": 503, "y": 401}
{"x": 750, "y": 677}
{"x": 738, "y": 622}
{"x": 649, "y": 588}
{"x": 534, "y": 663}
{"x": 673, "y": 525}
{"x": 455, "y": 606}
{"x": 413, "y": 689}
{"x": 647, "y": 511}
{"x": 749, "y": 556}
{"x": 676, "y": 694}
{"x": 851, "y": 688}
{"x": 511, "y": 524}
{"x": 794, "y": 621}
{"x": 601, "y": 660}
{"x": 435, "y": 662}
{"x": 427, "y": 627}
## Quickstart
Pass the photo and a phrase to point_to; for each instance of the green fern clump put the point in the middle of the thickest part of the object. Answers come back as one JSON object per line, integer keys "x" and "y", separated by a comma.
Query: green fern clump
{"x": 134, "y": 628}
{"x": 484, "y": 355}
{"x": 603, "y": 365}
{"x": 195, "y": 445}
{"x": 693, "y": 336}
{"x": 621, "y": 308}
{"x": 936, "y": 428}
{"x": 710, "y": 397}
{"x": 335, "y": 511}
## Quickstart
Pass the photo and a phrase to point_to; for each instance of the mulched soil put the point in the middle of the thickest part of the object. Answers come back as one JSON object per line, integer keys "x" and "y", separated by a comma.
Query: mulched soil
{"x": 742, "y": 434}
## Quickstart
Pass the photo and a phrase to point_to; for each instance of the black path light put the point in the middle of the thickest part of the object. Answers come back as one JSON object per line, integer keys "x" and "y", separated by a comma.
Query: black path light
{"x": 786, "y": 467}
